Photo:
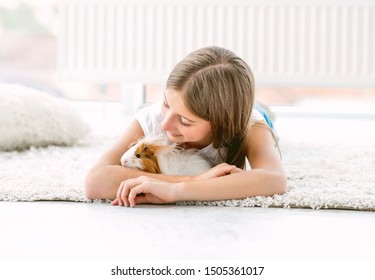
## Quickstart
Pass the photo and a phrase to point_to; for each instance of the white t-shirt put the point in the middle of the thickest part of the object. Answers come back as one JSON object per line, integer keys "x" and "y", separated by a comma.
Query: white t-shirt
{"x": 151, "y": 117}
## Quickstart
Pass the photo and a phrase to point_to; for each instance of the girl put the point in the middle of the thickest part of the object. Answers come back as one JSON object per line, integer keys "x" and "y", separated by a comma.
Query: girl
{"x": 208, "y": 104}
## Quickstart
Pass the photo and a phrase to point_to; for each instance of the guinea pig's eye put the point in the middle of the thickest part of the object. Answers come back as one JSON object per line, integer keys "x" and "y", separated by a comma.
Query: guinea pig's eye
{"x": 138, "y": 155}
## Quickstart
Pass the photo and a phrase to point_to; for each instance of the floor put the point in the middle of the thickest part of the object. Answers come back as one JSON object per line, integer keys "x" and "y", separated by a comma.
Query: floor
{"x": 64, "y": 230}
{"x": 67, "y": 230}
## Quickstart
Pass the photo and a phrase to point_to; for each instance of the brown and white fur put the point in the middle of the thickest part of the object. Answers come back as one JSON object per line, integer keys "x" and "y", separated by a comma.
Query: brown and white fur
{"x": 155, "y": 154}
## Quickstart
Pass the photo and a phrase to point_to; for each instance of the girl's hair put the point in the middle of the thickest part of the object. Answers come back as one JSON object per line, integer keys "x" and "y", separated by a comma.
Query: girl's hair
{"x": 218, "y": 86}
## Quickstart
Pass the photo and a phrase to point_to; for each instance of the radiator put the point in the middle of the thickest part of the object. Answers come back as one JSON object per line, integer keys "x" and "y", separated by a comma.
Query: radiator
{"x": 292, "y": 43}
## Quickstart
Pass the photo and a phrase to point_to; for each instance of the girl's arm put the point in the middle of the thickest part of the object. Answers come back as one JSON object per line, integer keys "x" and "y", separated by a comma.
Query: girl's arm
{"x": 234, "y": 186}
{"x": 105, "y": 177}
{"x": 266, "y": 178}
{"x": 224, "y": 181}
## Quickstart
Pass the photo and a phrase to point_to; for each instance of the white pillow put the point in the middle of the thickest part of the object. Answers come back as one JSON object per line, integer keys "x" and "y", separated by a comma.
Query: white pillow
{"x": 29, "y": 117}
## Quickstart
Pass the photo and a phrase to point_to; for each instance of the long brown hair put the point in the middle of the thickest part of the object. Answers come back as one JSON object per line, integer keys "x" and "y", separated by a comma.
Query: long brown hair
{"x": 218, "y": 86}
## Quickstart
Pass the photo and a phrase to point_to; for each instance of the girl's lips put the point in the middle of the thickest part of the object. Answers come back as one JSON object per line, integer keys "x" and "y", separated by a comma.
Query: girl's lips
{"x": 174, "y": 134}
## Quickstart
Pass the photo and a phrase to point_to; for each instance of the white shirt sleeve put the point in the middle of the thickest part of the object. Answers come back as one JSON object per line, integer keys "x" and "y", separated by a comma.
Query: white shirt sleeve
{"x": 150, "y": 118}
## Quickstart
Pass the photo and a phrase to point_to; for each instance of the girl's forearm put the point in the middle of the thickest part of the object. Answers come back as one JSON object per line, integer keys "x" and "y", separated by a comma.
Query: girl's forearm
{"x": 234, "y": 186}
{"x": 102, "y": 182}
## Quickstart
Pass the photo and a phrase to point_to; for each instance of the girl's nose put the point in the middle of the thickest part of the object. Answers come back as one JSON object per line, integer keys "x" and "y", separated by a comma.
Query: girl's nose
{"x": 167, "y": 123}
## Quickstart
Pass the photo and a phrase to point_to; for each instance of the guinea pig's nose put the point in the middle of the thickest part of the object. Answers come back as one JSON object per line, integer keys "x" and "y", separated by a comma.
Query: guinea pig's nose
{"x": 125, "y": 162}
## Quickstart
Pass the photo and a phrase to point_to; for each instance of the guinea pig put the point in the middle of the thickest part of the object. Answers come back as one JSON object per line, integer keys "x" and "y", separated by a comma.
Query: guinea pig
{"x": 155, "y": 154}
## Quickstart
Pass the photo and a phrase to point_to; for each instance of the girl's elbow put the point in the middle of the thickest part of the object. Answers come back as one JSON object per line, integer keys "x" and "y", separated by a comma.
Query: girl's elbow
{"x": 91, "y": 188}
{"x": 276, "y": 183}
{"x": 281, "y": 184}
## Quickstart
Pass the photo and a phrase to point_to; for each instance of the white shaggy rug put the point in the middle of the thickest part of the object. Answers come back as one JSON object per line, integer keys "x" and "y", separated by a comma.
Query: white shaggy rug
{"x": 320, "y": 175}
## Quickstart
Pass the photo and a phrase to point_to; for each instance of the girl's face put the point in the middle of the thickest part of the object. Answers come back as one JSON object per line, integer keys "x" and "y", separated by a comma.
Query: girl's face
{"x": 181, "y": 125}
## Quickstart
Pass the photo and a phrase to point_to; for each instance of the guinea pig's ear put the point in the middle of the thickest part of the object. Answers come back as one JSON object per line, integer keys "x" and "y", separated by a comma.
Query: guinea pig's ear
{"x": 148, "y": 151}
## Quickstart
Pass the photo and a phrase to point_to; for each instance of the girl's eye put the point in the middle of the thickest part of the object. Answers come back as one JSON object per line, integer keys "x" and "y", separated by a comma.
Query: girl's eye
{"x": 182, "y": 121}
{"x": 165, "y": 104}
{"x": 185, "y": 124}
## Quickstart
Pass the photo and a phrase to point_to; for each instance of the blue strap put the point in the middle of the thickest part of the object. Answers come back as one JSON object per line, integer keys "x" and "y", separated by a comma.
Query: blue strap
{"x": 261, "y": 110}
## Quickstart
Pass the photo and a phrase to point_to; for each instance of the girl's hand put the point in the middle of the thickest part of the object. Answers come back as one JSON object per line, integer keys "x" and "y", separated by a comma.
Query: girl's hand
{"x": 218, "y": 171}
{"x": 144, "y": 190}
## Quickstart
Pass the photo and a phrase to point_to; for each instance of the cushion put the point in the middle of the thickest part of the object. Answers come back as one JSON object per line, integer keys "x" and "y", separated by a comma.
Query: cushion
{"x": 29, "y": 117}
